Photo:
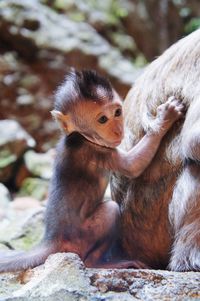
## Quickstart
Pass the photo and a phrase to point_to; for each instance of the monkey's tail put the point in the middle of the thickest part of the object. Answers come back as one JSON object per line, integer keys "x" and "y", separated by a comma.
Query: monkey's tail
{"x": 24, "y": 260}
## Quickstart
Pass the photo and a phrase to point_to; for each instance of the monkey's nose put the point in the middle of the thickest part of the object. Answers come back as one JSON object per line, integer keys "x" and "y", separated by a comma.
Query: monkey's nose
{"x": 119, "y": 133}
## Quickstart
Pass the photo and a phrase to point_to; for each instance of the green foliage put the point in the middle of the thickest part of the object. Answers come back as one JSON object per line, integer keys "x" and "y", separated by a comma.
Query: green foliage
{"x": 140, "y": 61}
{"x": 29, "y": 239}
{"x": 117, "y": 10}
{"x": 111, "y": 10}
{"x": 123, "y": 41}
{"x": 6, "y": 158}
{"x": 62, "y": 4}
{"x": 192, "y": 25}
{"x": 77, "y": 16}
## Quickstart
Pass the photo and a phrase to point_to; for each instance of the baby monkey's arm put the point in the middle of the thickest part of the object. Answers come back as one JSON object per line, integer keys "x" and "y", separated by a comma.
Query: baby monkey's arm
{"x": 135, "y": 161}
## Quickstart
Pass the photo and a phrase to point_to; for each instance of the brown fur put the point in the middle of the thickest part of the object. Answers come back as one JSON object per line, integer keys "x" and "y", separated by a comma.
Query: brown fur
{"x": 161, "y": 208}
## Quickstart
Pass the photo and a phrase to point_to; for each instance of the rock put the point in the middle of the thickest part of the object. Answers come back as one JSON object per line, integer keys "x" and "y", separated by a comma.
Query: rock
{"x": 62, "y": 270}
{"x": 23, "y": 203}
{"x": 57, "y": 35}
{"x": 34, "y": 187}
{"x": 103, "y": 16}
{"x": 5, "y": 199}
{"x": 14, "y": 140}
{"x": 64, "y": 277}
{"x": 25, "y": 100}
{"x": 31, "y": 231}
{"x": 148, "y": 284}
{"x": 22, "y": 229}
{"x": 40, "y": 164}
{"x": 5, "y": 196}
{"x": 4, "y": 247}
{"x": 119, "y": 68}
{"x": 29, "y": 81}
{"x": 9, "y": 283}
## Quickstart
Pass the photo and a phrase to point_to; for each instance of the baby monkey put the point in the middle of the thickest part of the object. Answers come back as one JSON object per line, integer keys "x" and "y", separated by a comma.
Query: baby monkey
{"x": 78, "y": 219}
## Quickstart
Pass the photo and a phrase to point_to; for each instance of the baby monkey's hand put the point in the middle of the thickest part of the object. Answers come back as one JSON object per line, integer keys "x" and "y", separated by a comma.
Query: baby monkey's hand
{"x": 168, "y": 113}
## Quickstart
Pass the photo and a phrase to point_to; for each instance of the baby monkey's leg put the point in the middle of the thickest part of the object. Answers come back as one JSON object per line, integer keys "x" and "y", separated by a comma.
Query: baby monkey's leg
{"x": 102, "y": 229}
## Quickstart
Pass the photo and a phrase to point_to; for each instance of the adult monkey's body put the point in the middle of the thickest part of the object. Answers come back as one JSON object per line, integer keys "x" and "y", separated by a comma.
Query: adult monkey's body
{"x": 161, "y": 208}
{"x": 77, "y": 218}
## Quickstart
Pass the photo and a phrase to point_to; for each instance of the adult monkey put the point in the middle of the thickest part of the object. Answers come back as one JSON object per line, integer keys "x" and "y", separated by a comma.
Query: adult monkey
{"x": 161, "y": 208}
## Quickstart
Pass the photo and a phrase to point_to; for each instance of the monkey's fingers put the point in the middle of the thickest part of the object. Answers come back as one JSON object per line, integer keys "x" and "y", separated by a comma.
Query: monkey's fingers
{"x": 177, "y": 102}
{"x": 172, "y": 99}
{"x": 181, "y": 108}
{"x": 165, "y": 110}
{"x": 169, "y": 105}
{"x": 175, "y": 107}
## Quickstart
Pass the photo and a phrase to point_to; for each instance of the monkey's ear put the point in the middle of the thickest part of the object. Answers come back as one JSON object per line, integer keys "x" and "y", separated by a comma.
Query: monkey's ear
{"x": 64, "y": 121}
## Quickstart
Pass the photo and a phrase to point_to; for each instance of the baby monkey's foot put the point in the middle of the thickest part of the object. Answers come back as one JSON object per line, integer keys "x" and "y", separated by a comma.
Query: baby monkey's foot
{"x": 169, "y": 112}
{"x": 137, "y": 264}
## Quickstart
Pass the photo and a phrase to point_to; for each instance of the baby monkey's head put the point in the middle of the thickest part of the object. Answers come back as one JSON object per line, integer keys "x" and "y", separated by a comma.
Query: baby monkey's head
{"x": 86, "y": 103}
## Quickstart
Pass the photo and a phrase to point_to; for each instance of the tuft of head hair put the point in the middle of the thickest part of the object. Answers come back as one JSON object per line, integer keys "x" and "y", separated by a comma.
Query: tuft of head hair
{"x": 84, "y": 85}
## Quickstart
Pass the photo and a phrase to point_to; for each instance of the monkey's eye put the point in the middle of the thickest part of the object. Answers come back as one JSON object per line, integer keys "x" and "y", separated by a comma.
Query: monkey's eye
{"x": 118, "y": 112}
{"x": 103, "y": 119}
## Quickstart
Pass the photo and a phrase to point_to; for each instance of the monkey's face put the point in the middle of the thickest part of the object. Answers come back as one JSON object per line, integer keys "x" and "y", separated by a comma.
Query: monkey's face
{"x": 101, "y": 123}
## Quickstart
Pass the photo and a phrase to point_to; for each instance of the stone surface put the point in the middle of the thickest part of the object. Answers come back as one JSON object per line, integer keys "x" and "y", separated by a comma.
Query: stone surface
{"x": 62, "y": 271}
{"x": 39, "y": 28}
{"x": 14, "y": 140}
{"x": 34, "y": 187}
{"x": 5, "y": 196}
{"x": 64, "y": 277}
{"x": 24, "y": 203}
{"x": 40, "y": 164}
{"x": 5, "y": 199}
{"x": 22, "y": 230}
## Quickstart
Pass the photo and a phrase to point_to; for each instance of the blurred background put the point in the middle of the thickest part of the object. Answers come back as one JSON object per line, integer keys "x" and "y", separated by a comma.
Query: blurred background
{"x": 39, "y": 41}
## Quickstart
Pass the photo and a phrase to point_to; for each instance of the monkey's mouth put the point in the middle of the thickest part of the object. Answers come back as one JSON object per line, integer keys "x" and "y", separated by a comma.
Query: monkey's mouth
{"x": 107, "y": 144}
{"x": 116, "y": 143}
{"x": 111, "y": 144}
{"x": 96, "y": 139}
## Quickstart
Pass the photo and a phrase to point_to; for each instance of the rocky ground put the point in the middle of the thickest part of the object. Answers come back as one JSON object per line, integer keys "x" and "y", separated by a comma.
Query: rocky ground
{"x": 64, "y": 277}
